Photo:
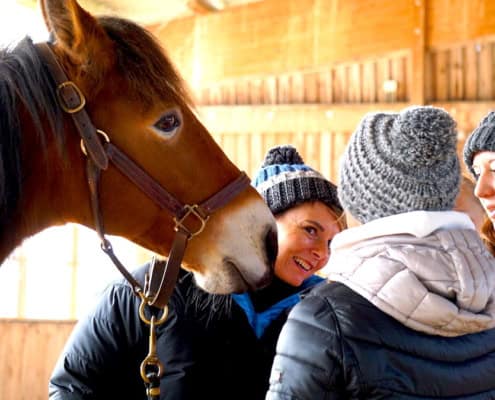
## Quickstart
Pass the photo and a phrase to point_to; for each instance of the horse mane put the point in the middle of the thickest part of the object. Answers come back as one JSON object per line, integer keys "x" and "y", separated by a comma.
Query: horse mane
{"x": 24, "y": 79}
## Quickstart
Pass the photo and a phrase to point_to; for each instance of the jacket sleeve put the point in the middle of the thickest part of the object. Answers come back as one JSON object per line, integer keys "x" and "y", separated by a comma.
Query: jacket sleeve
{"x": 94, "y": 344}
{"x": 308, "y": 363}
{"x": 107, "y": 347}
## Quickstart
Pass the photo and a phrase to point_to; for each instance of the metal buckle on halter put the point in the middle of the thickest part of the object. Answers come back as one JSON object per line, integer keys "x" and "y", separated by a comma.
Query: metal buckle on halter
{"x": 83, "y": 146}
{"x": 74, "y": 89}
{"x": 194, "y": 210}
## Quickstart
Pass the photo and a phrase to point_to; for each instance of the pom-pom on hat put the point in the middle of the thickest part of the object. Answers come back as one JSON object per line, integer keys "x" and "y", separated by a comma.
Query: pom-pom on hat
{"x": 400, "y": 162}
{"x": 481, "y": 139}
{"x": 285, "y": 181}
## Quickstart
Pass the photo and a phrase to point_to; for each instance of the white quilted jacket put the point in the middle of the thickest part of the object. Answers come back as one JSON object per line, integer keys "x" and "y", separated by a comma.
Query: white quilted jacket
{"x": 428, "y": 270}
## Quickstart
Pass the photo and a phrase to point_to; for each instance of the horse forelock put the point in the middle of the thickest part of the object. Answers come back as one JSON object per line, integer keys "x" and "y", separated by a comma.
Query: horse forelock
{"x": 24, "y": 82}
{"x": 144, "y": 64}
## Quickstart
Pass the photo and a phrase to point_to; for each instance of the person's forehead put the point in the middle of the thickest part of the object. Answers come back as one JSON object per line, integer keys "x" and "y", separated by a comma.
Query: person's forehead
{"x": 483, "y": 156}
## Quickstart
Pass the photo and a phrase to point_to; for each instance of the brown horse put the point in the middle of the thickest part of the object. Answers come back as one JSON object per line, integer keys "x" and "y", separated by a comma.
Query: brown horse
{"x": 138, "y": 103}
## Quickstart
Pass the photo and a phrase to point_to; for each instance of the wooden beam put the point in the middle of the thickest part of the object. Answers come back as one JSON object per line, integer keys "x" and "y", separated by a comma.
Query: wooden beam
{"x": 271, "y": 119}
{"x": 418, "y": 48}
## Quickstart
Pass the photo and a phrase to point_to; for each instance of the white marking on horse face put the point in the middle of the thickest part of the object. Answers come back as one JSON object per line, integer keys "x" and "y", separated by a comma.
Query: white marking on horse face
{"x": 234, "y": 255}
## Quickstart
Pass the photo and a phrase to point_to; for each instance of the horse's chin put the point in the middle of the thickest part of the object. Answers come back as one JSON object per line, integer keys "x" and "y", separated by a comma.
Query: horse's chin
{"x": 230, "y": 278}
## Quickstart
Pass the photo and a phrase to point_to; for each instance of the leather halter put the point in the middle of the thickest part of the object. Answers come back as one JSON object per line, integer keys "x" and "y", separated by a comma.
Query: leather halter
{"x": 163, "y": 276}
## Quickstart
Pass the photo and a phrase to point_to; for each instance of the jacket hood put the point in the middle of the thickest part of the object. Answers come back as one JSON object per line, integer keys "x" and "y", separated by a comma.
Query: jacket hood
{"x": 428, "y": 270}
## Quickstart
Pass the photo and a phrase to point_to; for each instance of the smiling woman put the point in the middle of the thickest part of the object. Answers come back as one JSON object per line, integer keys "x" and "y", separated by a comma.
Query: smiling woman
{"x": 209, "y": 338}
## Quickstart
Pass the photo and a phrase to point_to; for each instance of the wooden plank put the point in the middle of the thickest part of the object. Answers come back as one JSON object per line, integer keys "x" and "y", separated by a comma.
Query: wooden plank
{"x": 29, "y": 350}
{"x": 325, "y": 92}
{"x": 418, "y": 49}
{"x": 471, "y": 71}
{"x": 326, "y": 156}
{"x": 398, "y": 73}
{"x": 203, "y": 96}
{"x": 257, "y": 155}
{"x": 441, "y": 75}
{"x": 255, "y": 91}
{"x": 215, "y": 95}
{"x": 296, "y": 95}
{"x": 355, "y": 83}
{"x": 458, "y": 73}
{"x": 486, "y": 66}
{"x": 283, "y": 89}
{"x": 429, "y": 84}
{"x": 228, "y": 92}
{"x": 242, "y": 91}
{"x": 311, "y": 87}
{"x": 339, "y": 88}
{"x": 289, "y": 118}
{"x": 369, "y": 94}
{"x": 383, "y": 74}
{"x": 340, "y": 143}
{"x": 270, "y": 90}
{"x": 243, "y": 157}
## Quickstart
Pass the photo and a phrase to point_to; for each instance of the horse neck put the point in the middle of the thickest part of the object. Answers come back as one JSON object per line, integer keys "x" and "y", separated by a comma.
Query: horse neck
{"x": 52, "y": 187}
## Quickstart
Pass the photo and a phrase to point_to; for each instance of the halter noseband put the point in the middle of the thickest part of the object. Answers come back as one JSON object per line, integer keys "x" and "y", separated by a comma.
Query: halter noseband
{"x": 163, "y": 276}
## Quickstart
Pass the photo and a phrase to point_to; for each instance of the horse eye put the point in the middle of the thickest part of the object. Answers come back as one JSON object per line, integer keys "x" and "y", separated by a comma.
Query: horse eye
{"x": 168, "y": 123}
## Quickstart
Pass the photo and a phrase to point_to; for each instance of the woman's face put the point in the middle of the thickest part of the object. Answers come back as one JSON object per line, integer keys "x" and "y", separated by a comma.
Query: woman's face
{"x": 304, "y": 236}
{"x": 484, "y": 168}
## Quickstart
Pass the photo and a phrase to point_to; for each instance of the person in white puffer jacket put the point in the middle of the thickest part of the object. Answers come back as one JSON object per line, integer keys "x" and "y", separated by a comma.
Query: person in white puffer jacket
{"x": 410, "y": 309}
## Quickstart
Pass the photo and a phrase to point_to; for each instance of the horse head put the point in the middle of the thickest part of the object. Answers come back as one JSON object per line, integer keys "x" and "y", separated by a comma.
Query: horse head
{"x": 140, "y": 105}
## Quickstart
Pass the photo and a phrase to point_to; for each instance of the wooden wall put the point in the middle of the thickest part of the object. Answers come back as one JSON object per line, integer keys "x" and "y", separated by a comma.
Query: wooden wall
{"x": 305, "y": 72}
{"x": 28, "y": 352}
{"x": 302, "y": 72}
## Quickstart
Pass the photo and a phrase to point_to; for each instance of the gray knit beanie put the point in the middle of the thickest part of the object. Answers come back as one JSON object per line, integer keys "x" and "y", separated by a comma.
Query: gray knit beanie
{"x": 285, "y": 181}
{"x": 396, "y": 163}
{"x": 481, "y": 139}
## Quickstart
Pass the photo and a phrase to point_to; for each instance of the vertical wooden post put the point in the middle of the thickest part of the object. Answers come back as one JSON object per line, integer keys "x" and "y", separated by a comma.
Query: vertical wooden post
{"x": 417, "y": 77}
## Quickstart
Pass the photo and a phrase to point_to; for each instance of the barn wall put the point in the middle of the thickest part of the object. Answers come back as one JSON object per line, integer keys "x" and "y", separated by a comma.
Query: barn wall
{"x": 28, "y": 352}
{"x": 301, "y": 72}
{"x": 306, "y": 71}
{"x": 272, "y": 37}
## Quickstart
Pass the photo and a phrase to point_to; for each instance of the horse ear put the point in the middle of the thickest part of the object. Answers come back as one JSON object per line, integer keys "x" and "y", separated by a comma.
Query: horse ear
{"x": 76, "y": 31}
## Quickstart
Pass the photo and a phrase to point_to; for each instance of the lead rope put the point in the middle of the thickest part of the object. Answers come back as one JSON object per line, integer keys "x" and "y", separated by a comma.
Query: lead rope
{"x": 151, "y": 368}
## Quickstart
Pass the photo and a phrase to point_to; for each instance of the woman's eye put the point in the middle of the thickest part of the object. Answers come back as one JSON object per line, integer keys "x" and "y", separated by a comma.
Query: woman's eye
{"x": 168, "y": 124}
{"x": 311, "y": 230}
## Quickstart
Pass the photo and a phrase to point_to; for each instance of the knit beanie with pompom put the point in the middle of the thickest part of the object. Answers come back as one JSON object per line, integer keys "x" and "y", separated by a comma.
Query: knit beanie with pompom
{"x": 285, "y": 181}
{"x": 397, "y": 163}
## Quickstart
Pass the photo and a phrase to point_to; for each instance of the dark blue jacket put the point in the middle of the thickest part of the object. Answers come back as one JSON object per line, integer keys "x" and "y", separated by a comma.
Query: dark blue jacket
{"x": 337, "y": 345}
{"x": 102, "y": 357}
{"x": 211, "y": 347}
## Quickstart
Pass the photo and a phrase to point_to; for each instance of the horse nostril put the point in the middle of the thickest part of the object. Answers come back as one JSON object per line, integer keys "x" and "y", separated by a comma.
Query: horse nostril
{"x": 271, "y": 244}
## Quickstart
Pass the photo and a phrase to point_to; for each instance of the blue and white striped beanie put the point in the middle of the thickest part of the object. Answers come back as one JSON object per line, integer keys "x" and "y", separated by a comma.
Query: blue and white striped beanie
{"x": 285, "y": 181}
